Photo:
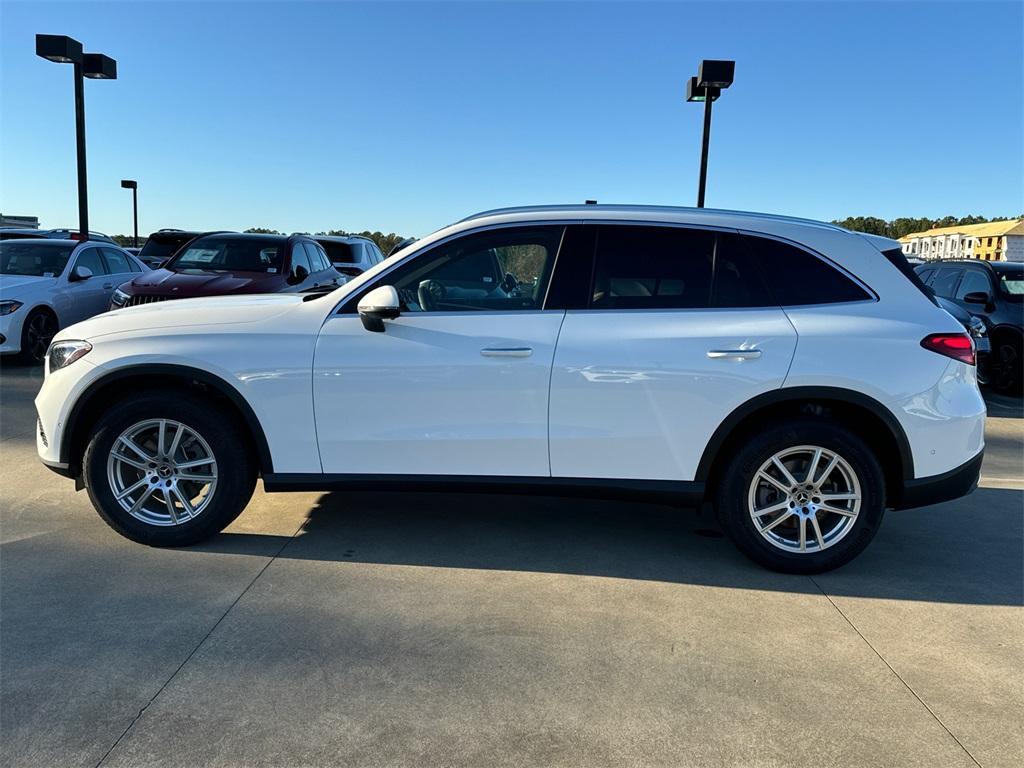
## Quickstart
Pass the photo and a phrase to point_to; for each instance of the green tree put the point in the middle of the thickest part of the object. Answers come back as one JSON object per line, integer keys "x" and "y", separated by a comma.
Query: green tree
{"x": 262, "y": 231}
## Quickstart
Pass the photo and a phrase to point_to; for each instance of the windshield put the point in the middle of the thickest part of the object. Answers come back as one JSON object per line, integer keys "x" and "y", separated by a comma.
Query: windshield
{"x": 33, "y": 257}
{"x": 1011, "y": 281}
{"x": 162, "y": 247}
{"x": 226, "y": 255}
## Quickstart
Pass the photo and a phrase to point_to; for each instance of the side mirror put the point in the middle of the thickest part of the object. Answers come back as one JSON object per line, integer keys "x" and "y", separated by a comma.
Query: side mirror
{"x": 299, "y": 273}
{"x": 379, "y": 305}
{"x": 978, "y": 297}
{"x": 79, "y": 273}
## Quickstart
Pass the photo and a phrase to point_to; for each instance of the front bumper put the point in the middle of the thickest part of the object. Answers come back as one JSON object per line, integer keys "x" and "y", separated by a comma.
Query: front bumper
{"x": 958, "y": 482}
{"x": 10, "y": 331}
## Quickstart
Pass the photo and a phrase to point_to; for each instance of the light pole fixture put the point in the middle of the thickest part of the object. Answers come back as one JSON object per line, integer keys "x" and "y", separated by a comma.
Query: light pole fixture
{"x": 134, "y": 187}
{"x": 65, "y": 50}
{"x": 713, "y": 75}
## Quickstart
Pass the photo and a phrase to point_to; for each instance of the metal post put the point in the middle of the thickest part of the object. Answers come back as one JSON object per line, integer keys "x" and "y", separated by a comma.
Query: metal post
{"x": 135, "y": 213}
{"x": 83, "y": 195}
{"x": 704, "y": 148}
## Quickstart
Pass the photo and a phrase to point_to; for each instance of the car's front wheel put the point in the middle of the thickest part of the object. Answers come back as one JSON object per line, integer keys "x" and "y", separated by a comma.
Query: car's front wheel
{"x": 36, "y": 334}
{"x": 167, "y": 469}
{"x": 803, "y": 497}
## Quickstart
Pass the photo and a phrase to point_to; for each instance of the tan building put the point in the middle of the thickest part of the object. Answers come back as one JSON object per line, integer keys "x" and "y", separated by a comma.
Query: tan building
{"x": 992, "y": 241}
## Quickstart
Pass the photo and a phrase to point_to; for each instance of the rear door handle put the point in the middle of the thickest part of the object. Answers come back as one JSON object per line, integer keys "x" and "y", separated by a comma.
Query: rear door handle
{"x": 734, "y": 354}
{"x": 506, "y": 351}
{"x": 108, "y": 285}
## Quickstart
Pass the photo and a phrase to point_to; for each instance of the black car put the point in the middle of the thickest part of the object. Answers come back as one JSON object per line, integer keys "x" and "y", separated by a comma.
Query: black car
{"x": 993, "y": 291}
{"x": 975, "y": 326}
{"x": 163, "y": 244}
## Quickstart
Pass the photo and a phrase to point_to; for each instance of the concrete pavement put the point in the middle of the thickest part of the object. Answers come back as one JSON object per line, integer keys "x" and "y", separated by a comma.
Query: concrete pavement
{"x": 471, "y": 630}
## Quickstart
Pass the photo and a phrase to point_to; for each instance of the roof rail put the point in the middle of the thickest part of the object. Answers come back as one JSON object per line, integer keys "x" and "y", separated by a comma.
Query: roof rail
{"x": 589, "y": 207}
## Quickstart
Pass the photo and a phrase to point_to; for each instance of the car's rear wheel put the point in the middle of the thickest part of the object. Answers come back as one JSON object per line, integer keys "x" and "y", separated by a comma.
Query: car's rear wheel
{"x": 804, "y": 497}
{"x": 166, "y": 469}
{"x": 1005, "y": 364}
{"x": 36, "y": 334}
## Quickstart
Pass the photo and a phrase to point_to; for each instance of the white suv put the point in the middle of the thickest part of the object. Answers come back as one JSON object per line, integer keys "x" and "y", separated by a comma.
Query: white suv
{"x": 789, "y": 371}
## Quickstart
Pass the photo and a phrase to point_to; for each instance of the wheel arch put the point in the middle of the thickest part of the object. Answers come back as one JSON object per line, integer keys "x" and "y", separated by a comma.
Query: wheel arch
{"x": 104, "y": 390}
{"x": 855, "y": 410}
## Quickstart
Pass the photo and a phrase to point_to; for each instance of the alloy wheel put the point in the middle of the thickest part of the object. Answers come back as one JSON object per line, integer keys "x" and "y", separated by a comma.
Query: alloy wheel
{"x": 162, "y": 472}
{"x": 39, "y": 332}
{"x": 804, "y": 499}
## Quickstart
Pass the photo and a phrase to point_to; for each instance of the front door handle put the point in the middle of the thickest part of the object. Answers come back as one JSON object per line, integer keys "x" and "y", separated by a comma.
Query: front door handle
{"x": 506, "y": 351}
{"x": 734, "y": 354}
{"x": 108, "y": 285}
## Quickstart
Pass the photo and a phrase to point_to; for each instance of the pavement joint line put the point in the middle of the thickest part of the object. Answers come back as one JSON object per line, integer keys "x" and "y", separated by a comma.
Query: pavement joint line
{"x": 199, "y": 645}
{"x": 897, "y": 674}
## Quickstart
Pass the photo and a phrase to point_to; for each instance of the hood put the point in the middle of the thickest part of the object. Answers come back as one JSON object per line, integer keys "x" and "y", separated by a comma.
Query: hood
{"x": 217, "y": 311}
{"x": 200, "y": 282}
{"x": 12, "y": 285}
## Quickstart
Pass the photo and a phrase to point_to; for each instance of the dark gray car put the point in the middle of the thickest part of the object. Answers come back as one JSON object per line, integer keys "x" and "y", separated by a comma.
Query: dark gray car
{"x": 993, "y": 291}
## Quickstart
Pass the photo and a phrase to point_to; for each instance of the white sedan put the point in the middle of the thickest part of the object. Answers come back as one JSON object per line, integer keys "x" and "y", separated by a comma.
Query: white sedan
{"x": 47, "y": 284}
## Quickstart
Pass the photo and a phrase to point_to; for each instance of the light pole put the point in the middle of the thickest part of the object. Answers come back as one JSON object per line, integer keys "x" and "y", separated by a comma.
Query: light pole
{"x": 134, "y": 187}
{"x": 66, "y": 50}
{"x": 712, "y": 77}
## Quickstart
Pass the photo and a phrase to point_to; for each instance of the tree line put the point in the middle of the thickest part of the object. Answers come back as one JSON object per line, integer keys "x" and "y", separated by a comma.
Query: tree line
{"x": 384, "y": 241}
{"x": 897, "y": 228}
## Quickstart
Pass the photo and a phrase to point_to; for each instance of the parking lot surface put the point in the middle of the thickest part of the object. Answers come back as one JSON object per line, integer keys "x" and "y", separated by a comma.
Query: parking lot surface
{"x": 472, "y": 630}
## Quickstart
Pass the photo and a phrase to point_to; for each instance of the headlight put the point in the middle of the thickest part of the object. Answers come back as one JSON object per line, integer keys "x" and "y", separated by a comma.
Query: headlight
{"x": 977, "y": 326}
{"x": 6, "y": 307}
{"x": 119, "y": 298}
{"x": 63, "y": 353}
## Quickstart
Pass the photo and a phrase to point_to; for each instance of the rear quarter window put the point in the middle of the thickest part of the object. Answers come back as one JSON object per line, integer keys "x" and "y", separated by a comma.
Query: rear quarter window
{"x": 797, "y": 277}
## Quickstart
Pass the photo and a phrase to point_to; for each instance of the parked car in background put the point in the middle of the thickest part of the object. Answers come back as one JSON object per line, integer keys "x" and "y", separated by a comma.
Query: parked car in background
{"x": 15, "y": 233}
{"x": 48, "y": 284}
{"x": 351, "y": 255}
{"x": 975, "y": 326}
{"x": 233, "y": 263}
{"x": 132, "y": 250}
{"x": 792, "y": 372}
{"x": 164, "y": 243}
{"x": 400, "y": 245}
{"x": 993, "y": 291}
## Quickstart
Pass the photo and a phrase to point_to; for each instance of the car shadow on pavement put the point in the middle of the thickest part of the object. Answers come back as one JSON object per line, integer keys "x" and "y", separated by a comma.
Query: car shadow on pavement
{"x": 966, "y": 551}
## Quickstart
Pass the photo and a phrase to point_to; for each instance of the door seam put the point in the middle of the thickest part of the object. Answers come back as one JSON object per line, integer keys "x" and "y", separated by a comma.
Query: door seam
{"x": 551, "y": 375}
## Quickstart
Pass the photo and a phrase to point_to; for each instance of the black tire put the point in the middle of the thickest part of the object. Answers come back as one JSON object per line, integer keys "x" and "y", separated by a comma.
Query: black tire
{"x": 734, "y": 487}
{"x": 226, "y": 439}
{"x": 37, "y": 332}
{"x": 1006, "y": 367}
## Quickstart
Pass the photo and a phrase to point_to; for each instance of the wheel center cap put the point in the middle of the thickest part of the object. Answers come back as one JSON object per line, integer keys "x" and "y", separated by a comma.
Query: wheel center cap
{"x": 164, "y": 471}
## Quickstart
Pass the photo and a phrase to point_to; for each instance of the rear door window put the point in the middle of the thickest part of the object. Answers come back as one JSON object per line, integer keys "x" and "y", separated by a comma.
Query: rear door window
{"x": 642, "y": 267}
{"x": 738, "y": 281}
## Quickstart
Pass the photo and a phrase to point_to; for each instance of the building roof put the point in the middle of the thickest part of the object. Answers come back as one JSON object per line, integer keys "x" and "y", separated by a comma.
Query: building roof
{"x": 988, "y": 229}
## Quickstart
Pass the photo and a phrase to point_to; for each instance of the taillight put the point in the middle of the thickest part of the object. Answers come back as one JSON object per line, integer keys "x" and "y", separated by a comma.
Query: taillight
{"x": 956, "y": 345}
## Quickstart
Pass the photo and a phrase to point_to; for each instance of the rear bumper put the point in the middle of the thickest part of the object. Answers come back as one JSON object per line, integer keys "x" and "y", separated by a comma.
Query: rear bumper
{"x": 958, "y": 482}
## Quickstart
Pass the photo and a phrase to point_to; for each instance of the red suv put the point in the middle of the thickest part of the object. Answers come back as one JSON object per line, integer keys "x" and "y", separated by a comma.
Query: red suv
{"x": 228, "y": 263}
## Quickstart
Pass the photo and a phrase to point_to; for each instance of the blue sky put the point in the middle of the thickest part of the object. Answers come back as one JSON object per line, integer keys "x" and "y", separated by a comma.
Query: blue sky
{"x": 406, "y": 116}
